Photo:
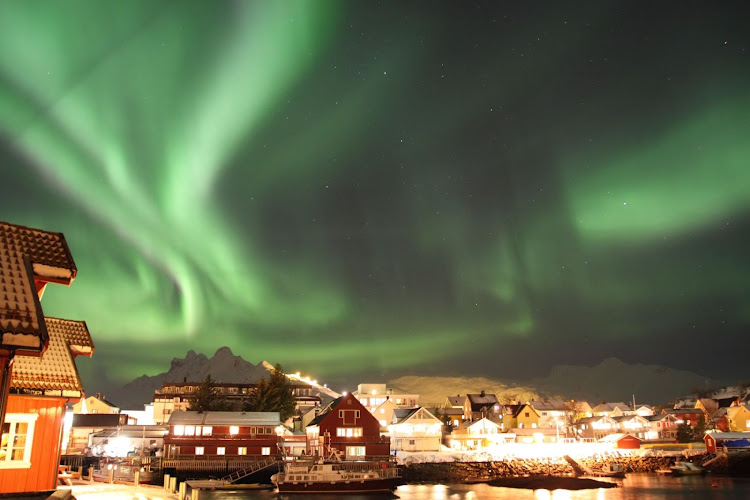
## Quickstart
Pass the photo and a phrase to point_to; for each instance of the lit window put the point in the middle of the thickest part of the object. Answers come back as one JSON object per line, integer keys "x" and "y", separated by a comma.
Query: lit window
{"x": 355, "y": 451}
{"x": 190, "y": 430}
{"x": 179, "y": 430}
{"x": 15, "y": 443}
{"x": 266, "y": 450}
{"x": 234, "y": 430}
{"x": 199, "y": 450}
{"x": 382, "y": 410}
{"x": 221, "y": 450}
{"x": 242, "y": 450}
{"x": 207, "y": 430}
{"x": 348, "y": 431}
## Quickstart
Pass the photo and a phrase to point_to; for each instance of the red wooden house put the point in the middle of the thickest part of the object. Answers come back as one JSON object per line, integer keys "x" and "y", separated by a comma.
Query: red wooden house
{"x": 347, "y": 428}
{"x": 214, "y": 434}
{"x": 37, "y": 372}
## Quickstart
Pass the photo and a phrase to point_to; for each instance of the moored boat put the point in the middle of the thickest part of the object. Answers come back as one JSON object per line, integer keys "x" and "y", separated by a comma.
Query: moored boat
{"x": 123, "y": 470}
{"x": 307, "y": 475}
{"x": 686, "y": 469}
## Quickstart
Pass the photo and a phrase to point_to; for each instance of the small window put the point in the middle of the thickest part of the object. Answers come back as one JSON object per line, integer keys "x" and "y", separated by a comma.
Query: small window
{"x": 221, "y": 450}
{"x": 357, "y": 414}
{"x": 207, "y": 430}
{"x": 234, "y": 429}
{"x": 178, "y": 430}
{"x": 242, "y": 450}
{"x": 199, "y": 450}
{"x": 266, "y": 450}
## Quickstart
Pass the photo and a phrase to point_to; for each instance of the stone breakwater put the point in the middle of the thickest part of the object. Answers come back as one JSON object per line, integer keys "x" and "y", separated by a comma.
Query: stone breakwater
{"x": 460, "y": 472}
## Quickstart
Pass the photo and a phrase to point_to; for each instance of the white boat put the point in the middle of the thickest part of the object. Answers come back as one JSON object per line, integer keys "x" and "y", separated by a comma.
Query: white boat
{"x": 686, "y": 469}
{"x": 307, "y": 475}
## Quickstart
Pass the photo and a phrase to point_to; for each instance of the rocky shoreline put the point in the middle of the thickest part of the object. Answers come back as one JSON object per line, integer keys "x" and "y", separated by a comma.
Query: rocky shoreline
{"x": 465, "y": 472}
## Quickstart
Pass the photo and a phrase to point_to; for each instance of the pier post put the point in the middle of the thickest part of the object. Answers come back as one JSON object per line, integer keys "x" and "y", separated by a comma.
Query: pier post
{"x": 173, "y": 484}
{"x": 166, "y": 481}
{"x": 91, "y": 474}
{"x": 137, "y": 478}
{"x": 183, "y": 491}
{"x": 195, "y": 494}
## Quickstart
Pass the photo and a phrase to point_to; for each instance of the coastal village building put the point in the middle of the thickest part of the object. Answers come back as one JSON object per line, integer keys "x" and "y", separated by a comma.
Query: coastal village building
{"x": 38, "y": 375}
{"x": 538, "y": 435}
{"x": 215, "y": 434}
{"x": 452, "y": 410}
{"x": 662, "y": 427}
{"x": 634, "y": 425}
{"x": 95, "y": 404}
{"x": 347, "y": 428}
{"x": 611, "y": 410}
{"x": 481, "y": 434}
{"x": 690, "y": 416}
{"x": 384, "y": 413}
{"x": 738, "y": 418}
{"x": 552, "y": 414}
{"x": 85, "y": 424}
{"x": 373, "y": 395}
{"x": 622, "y": 441}
{"x": 415, "y": 429}
{"x": 175, "y": 396}
{"x": 595, "y": 428}
{"x": 525, "y": 417}
{"x": 732, "y": 442}
{"x": 482, "y": 405}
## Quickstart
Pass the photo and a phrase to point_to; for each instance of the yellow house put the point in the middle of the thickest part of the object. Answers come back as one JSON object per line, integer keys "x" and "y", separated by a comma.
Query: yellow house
{"x": 738, "y": 418}
{"x": 526, "y": 417}
{"x": 95, "y": 404}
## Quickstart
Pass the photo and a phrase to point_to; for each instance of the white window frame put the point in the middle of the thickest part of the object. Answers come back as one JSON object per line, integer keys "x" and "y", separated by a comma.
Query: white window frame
{"x": 242, "y": 450}
{"x": 266, "y": 450}
{"x": 200, "y": 450}
{"x": 13, "y": 419}
{"x": 355, "y": 451}
{"x": 221, "y": 450}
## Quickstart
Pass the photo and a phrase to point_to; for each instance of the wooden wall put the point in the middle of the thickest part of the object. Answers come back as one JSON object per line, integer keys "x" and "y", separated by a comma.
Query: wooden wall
{"x": 45, "y": 452}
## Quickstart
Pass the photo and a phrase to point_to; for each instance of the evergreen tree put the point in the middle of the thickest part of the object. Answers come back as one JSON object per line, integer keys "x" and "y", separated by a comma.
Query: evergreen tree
{"x": 273, "y": 394}
{"x": 208, "y": 398}
{"x": 700, "y": 429}
{"x": 684, "y": 433}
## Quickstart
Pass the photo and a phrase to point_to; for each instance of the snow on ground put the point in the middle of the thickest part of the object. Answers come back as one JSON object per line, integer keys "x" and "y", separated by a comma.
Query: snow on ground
{"x": 518, "y": 451}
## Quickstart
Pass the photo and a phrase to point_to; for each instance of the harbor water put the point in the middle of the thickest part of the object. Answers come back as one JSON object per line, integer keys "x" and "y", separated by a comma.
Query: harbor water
{"x": 641, "y": 486}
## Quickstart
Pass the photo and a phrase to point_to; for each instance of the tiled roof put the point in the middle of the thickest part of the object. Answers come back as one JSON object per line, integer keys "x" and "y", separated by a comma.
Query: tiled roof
{"x": 54, "y": 373}
{"x": 75, "y": 332}
{"x": 26, "y": 254}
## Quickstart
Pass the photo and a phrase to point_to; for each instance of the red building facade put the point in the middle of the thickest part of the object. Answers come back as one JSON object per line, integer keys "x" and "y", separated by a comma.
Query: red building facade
{"x": 349, "y": 429}
{"x": 220, "y": 434}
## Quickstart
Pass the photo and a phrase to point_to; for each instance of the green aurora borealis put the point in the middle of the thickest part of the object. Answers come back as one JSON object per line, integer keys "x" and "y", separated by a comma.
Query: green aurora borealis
{"x": 363, "y": 189}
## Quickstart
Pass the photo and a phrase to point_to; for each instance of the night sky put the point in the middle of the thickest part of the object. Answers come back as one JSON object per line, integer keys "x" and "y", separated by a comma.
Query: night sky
{"x": 363, "y": 190}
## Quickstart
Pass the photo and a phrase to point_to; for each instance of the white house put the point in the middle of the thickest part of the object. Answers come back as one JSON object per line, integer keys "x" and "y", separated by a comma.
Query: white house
{"x": 415, "y": 429}
{"x": 478, "y": 435}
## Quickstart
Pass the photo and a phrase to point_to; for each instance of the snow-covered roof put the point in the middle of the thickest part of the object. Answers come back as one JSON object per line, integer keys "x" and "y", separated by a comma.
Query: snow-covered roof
{"x": 54, "y": 373}
{"x": 225, "y": 418}
{"x": 27, "y": 255}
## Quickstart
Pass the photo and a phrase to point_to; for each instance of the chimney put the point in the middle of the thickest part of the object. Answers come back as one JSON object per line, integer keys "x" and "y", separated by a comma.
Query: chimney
{"x": 482, "y": 393}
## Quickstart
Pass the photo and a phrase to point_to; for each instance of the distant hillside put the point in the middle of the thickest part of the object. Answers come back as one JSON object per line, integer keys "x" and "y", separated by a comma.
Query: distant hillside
{"x": 224, "y": 366}
{"x": 610, "y": 380}
{"x": 434, "y": 390}
{"x": 613, "y": 380}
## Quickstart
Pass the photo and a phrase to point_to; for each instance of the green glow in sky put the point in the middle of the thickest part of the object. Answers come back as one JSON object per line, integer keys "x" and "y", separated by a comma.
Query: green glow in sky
{"x": 360, "y": 190}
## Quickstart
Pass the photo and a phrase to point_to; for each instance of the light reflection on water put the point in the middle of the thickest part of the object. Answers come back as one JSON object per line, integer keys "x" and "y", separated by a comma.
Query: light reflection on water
{"x": 633, "y": 487}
